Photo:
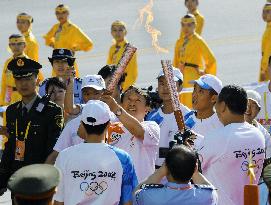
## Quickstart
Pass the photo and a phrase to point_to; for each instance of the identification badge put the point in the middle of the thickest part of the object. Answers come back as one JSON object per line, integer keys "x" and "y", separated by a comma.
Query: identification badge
{"x": 20, "y": 150}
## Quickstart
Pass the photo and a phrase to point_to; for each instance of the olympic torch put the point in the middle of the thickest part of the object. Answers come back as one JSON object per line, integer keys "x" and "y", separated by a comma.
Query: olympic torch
{"x": 121, "y": 66}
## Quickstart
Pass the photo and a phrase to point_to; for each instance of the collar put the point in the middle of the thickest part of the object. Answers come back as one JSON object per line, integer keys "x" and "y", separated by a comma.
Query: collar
{"x": 122, "y": 43}
{"x": 196, "y": 12}
{"x": 65, "y": 25}
{"x": 30, "y": 104}
{"x": 27, "y": 33}
{"x": 180, "y": 187}
{"x": 20, "y": 56}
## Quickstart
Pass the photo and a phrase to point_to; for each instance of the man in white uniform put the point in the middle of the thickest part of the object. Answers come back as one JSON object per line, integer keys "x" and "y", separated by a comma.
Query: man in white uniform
{"x": 164, "y": 115}
{"x": 132, "y": 134}
{"x": 264, "y": 89}
{"x": 94, "y": 172}
{"x": 203, "y": 118}
{"x": 227, "y": 151}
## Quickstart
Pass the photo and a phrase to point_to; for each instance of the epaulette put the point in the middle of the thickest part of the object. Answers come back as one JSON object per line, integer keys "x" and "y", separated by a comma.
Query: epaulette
{"x": 151, "y": 186}
{"x": 43, "y": 82}
{"x": 204, "y": 186}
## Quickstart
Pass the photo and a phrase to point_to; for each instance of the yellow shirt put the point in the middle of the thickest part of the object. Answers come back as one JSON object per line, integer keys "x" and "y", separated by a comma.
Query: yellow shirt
{"x": 70, "y": 37}
{"x": 9, "y": 94}
{"x": 266, "y": 48}
{"x": 114, "y": 56}
{"x": 196, "y": 52}
{"x": 32, "y": 46}
{"x": 200, "y": 22}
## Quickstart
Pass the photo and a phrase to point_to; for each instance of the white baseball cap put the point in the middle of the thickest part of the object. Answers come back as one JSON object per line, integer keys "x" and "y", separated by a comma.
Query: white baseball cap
{"x": 209, "y": 82}
{"x": 176, "y": 72}
{"x": 96, "y": 112}
{"x": 255, "y": 96}
{"x": 93, "y": 81}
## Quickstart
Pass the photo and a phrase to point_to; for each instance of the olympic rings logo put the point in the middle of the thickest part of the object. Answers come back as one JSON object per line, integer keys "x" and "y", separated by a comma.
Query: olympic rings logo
{"x": 93, "y": 188}
{"x": 259, "y": 165}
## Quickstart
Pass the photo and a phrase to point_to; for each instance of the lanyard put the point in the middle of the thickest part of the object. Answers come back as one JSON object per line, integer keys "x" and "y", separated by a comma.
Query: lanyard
{"x": 265, "y": 106}
{"x": 180, "y": 188}
{"x": 26, "y": 131}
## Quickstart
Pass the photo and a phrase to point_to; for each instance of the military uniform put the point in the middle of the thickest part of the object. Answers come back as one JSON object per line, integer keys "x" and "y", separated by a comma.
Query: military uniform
{"x": 33, "y": 128}
{"x": 175, "y": 194}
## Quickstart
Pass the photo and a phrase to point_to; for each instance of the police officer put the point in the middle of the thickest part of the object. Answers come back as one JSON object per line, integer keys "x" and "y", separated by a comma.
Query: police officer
{"x": 33, "y": 124}
{"x": 62, "y": 61}
{"x": 34, "y": 184}
{"x": 179, "y": 168}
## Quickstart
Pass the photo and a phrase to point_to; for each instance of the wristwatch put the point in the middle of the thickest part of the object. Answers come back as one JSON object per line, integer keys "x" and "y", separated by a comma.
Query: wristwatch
{"x": 118, "y": 112}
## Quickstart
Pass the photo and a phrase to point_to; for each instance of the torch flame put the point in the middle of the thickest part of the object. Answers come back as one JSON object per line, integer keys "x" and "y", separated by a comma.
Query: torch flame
{"x": 147, "y": 9}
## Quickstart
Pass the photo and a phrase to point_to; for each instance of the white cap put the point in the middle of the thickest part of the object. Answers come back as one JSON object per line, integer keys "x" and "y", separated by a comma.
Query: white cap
{"x": 255, "y": 96}
{"x": 176, "y": 72}
{"x": 95, "y": 112}
{"x": 93, "y": 81}
{"x": 209, "y": 82}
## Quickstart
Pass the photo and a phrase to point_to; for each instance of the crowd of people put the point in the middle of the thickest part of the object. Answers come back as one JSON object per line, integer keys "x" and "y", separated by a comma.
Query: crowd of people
{"x": 70, "y": 140}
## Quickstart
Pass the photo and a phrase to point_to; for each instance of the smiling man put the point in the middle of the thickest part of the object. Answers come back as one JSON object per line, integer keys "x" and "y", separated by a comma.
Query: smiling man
{"x": 203, "y": 118}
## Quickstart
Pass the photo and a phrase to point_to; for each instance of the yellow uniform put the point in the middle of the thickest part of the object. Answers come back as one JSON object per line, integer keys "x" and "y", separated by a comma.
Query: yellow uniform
{"x": 266, "y": 48}
{"x": 32, "y": 46}
{"x": 191, "y": 55}
{"x": 114, "y": 55}
{"x": 68, "y": 36}
{"x": 199, "y": 22}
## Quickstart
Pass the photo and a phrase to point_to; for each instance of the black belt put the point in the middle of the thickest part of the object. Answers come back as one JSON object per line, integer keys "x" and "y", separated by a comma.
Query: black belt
{"x": 191, "y": 65}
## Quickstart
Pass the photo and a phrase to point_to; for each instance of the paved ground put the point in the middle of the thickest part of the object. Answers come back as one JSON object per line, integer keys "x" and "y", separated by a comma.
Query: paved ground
{"x": 233, "y": 30}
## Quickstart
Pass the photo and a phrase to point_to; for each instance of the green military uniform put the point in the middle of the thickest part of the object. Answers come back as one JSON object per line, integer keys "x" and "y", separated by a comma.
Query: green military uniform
{"x": 33, "y": 128}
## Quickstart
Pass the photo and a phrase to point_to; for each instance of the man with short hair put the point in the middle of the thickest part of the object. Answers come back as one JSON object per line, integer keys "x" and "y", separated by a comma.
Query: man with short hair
{"x": 94, "y": 172}
{"x": 203, "y": 118}
{"x": 34, "y": 184}
{"x": 229, "y": 150}
{"x": 164, "y": 115}
{"x": 253, "y": 109}
{"x": 92, "y": 87}
{"x": 67, "y": 35}
{"x": 33, "y": 124}
{"x": 180, "y": 168}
